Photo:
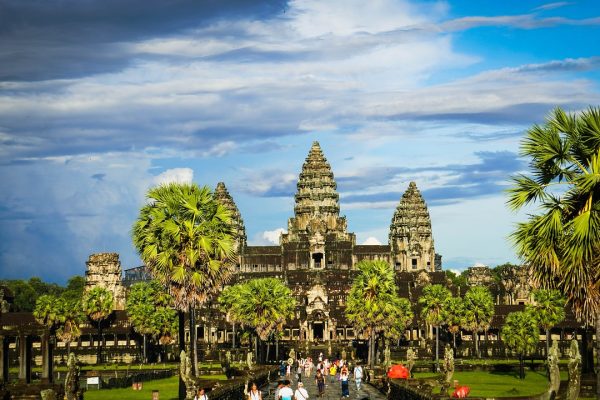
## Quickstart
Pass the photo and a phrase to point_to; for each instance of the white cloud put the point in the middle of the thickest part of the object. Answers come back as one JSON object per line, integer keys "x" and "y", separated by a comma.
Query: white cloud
{"x": 175, "y": 175}
{"x": 273, "y": 236}
{"x": 372, "y": 241}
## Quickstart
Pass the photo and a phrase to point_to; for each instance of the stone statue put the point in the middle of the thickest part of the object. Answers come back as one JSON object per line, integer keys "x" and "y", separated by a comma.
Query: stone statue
{"x": 185, "y": 371}
{"x": 292, "y": 354}
{"x": 411, "y": 356}
{"x": 574, "y": 371}
{"x": 249, "y": 359}
{"x": 387, "y": 360}
{"x": 553, "y": 368}
{"x": 448, "y": 365}
{"x": 72, "y": 378}
{"x": 48, "y": 394}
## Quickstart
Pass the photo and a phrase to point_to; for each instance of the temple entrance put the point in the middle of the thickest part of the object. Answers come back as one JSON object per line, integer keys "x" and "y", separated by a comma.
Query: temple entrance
{"x": 317, "y": 259}
{"x": 317, "y": 330}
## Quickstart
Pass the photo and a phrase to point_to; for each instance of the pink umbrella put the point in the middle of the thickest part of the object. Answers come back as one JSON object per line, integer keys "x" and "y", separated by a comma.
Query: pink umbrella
{"x": 461, "y": 392}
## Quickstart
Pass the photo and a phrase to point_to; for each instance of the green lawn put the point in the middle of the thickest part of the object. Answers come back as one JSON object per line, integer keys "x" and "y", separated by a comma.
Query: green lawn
{"x": 167, "y": 387}
{"x": 498, "y": 384}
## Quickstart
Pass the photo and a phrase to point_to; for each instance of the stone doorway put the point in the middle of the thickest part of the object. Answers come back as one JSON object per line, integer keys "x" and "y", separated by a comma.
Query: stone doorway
{"x": 318, "y": 330}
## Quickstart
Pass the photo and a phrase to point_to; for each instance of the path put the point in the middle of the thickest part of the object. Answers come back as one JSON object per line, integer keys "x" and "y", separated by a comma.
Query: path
{"x": 333, "y": 391}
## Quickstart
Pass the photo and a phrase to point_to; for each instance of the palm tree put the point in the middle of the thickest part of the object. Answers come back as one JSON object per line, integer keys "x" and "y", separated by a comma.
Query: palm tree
{"x": 184, "y": 237}
{"x": 453, "y": 315}
{"x": 71, "y": 317}
{"x": 47, "y": 312}
{"x": 98, "y": 305}
{"x": 548, "y": 309}
{"x": 228, "y": 299}
{"x": 432, "y": 301}
{"x": 371, "y": 300}
{"x": 399, "y": 314}
{"x": 479, "y": 310}
{"x": 521, "y": 334}
{"x": 561, "y": 243}
{"x": 265, "y": 305}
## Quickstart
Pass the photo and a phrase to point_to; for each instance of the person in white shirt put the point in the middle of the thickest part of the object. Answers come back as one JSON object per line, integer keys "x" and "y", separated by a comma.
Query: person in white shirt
{"x": 358, "y": 375}
{"x": 300, "y": 393}
{"x": 254, "y": 393}
{"x": 201, "y": 395}
{"x": 286, "y": 392}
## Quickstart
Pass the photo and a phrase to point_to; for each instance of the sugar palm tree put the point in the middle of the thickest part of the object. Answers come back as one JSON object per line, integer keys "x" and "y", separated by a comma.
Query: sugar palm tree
{"x": 521, "y": 334}
{"x": 548, "y": 310}
{"x": 479, "y": 310}
{"x": 371, "y": 300}
{"x": 561, "y": 242}
{"x": 453, "y": 315}
{"x": 228, "y": 299}
{"x": 432, "y": 301}
{"x": 98, "y": 304}
{"x": 71, "y": 317}
{"x": 266, "y": 304}
{"x": 184, "y": 237}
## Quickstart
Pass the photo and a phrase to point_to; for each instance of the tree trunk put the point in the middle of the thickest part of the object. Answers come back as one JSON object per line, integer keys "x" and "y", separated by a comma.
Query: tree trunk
{"x": 598, "y": 355}
{"x": 181, "y": 316}
{"x": 454, "y": 340}
{"x": 233, "y": 341}
{"x": 99, "y": 354}
{"x": 145, "y": 357}
{"x": 521, "y": 367}
{"x": 268, "y": 351}
{"x": 256, "y": 342}
{"x": 547, "y": 342}
{"x": 276, "y": 349}
{"x": 369, "y": 356}
{"x": 476, "y": 333}
{"x": 437, "y": 348}
{"x": 193, "y": 348}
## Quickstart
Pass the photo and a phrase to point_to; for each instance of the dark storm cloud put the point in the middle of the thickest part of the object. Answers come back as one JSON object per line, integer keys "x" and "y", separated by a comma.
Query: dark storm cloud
{"x": 466, "y": 181}
{"x": 72, "y": 38}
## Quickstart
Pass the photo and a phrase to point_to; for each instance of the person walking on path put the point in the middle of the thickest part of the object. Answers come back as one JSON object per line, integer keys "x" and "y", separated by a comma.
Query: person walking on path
{"x": 332, "y": 373}
{"x": 320, "y": 380}
{"x": 254, "y": 393}
{"x": 358, "y": 374}
{"x": 286, "y": 392}
{"x": 344, "y": 380}
{"x": 300, "y": 393}
{"x": 299, "y": 372}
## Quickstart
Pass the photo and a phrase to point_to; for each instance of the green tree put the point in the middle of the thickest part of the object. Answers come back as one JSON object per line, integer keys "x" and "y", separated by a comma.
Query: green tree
{"x": 47, "y": 311}
{"x": 266, "y": 305}
{"x": 373, "y": 305}
{"x": 98, "y": 305}
{"x": 74, "y": 289}
{"x": 432, "y": 303}
{"x": 453, "y": 316}
{"x": 150, "y": 311}
{"x": 521, "y": 334}
{"x": 71, "y": 316}
{"x": 399, "y": 316}
{"x": 228, "y": 299}
{"x": 561, "y": 241}
{"x": 548, "y": 310}
{"x": 479, "y": 310}
{"x": 184, "y": 237}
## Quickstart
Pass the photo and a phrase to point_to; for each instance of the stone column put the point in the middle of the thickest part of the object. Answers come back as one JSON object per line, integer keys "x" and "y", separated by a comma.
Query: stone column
{"x": 3, "y": 359}
{"x": 24, "y": 345}
{"x": 47, "y": 357}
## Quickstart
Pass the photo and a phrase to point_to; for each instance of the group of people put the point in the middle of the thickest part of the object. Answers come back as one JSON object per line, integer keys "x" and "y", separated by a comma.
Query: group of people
{"x": 326, "y": 371}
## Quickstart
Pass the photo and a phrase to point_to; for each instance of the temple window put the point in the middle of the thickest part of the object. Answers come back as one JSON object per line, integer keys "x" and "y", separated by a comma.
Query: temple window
{"x": 414, "y": 263}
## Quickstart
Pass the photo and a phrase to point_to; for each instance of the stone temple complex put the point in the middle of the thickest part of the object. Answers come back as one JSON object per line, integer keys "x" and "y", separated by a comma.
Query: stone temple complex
{"x": 317, "y": 256}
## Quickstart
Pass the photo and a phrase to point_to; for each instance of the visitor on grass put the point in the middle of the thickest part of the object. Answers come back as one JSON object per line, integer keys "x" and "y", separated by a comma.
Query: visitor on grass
{"x": 254, "y": 393}
{"x": 358, "y": 374}
{"x": 300, "y": 393}
{"x": 201, "y": 395}
{"x": 286, "y": 392}
{"x": 320, "y": 380}
{"x": 344, "y": 380}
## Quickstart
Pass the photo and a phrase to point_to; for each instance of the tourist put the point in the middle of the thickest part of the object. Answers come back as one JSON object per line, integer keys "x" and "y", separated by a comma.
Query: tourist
{"x": 201, "y": 395}
{"x": 344, "y": 380}
{"x": 308, "y": 367}
{"x": 332, "y": 373}
{"x": 299, "y": 372}
{"x": 300, "y": 393}
{"x": 320, "y": 380}
{"x": 279, "y": 387}
{"x": 288, "y": 370}
{"x": 320, "y": 356}
{"x": 358, "y": 374}
{"x": 282, "y": 369}
{"x": 286, "y": 392}
{"x": 254, "y": 393}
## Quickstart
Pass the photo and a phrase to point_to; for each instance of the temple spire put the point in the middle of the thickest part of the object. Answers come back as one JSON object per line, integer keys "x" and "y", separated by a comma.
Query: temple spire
{"x": 222, "y": 195}
{"x": 410, "y": 237}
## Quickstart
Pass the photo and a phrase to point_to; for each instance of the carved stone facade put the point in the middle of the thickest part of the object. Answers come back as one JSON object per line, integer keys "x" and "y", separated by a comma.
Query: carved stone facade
{"x": 104, "y": 270}
{"x": 317, "y": 256}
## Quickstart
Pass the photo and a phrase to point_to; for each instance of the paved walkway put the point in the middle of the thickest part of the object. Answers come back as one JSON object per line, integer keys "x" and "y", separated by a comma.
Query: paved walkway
{"x": 333, "y": 390}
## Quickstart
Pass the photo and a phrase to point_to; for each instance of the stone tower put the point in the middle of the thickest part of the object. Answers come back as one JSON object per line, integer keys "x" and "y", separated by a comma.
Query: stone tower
{"x": 317, "y": 210}
{"x": 239, "y": 230}
{"x": 410, "y": 239}
{"x": 104, "y": 270}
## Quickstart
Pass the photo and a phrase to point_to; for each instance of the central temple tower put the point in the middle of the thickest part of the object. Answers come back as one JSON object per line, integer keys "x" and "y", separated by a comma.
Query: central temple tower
{"x": 317, "y": 235}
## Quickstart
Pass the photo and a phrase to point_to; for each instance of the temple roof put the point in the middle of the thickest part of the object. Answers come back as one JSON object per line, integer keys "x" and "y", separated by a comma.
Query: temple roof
{"x": 411, "y": 215}
{"x": 223, "y": 196}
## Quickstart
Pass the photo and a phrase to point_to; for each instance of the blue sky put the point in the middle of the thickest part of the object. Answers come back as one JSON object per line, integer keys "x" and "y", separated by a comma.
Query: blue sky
{"x": 99, "y": 100}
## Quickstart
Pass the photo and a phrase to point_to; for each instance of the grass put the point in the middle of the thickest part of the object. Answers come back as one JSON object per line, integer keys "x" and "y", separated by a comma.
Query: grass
{"x": 168, "y": 389}
{"x": 498, "y": 384}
